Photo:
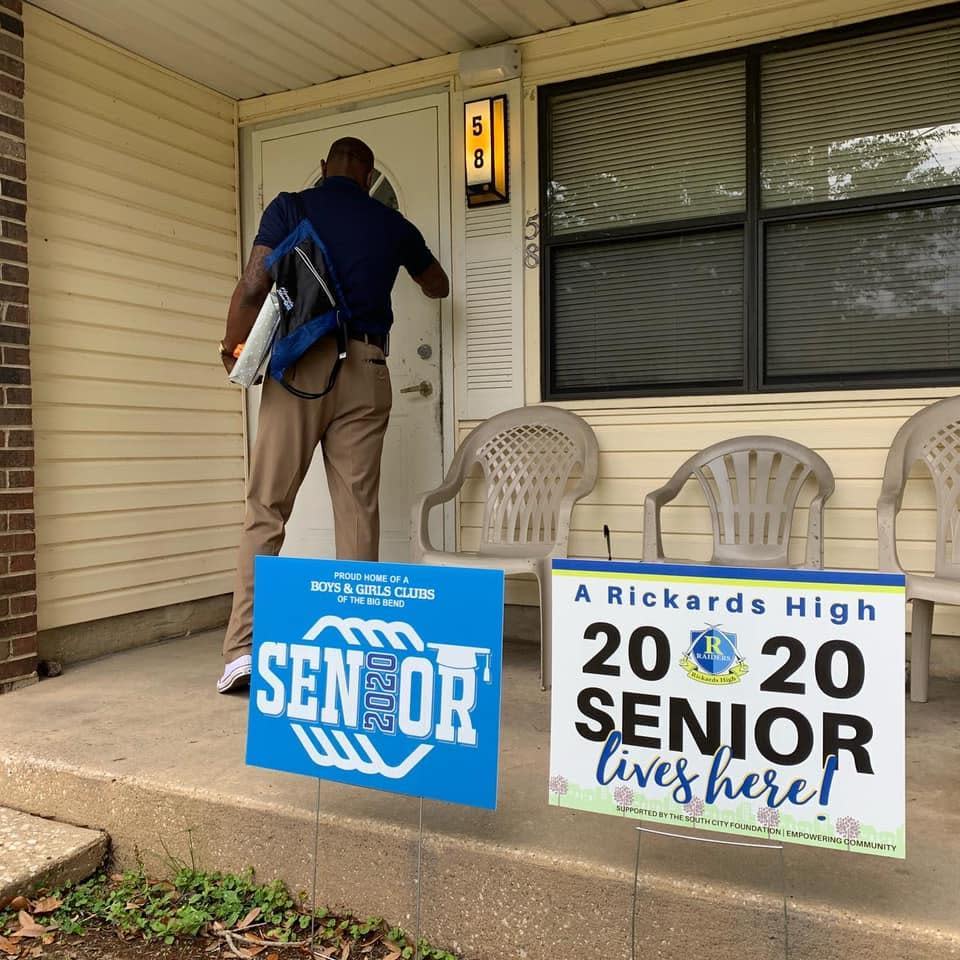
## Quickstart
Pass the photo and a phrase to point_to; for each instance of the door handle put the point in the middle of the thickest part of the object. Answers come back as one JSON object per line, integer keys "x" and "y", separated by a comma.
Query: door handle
{"x": 424, "y": 388}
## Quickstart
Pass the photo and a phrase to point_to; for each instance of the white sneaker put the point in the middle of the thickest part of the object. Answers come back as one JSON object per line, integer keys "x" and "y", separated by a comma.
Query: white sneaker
{"x": 236, "y": 674}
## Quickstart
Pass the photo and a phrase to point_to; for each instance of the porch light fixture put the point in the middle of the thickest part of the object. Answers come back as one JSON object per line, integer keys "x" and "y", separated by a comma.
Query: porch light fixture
{"x": 485, "y": 140}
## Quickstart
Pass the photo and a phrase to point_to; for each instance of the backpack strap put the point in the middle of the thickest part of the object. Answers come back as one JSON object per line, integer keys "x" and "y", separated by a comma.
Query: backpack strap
{"x": 334, "y": 372}
{"x": 341, "y": 334}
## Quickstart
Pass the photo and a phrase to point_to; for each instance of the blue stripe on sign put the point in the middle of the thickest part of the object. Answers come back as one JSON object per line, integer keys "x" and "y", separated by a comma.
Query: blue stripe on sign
{"x": 709, "y": 572}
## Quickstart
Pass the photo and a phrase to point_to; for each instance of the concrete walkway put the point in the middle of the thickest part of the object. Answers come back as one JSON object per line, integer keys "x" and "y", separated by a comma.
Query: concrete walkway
{"x": 38, "y": 853}
{"x": 140, "y": 745}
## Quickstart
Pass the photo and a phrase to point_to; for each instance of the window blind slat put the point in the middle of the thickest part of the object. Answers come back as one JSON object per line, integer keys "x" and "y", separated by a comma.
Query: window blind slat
{"x": 649, "y": 313}
{"x": 875, "y": 293}
{"x": 872, "y": 116}
{"x": 728, "y": 104}
{"x": 655, "y": 149}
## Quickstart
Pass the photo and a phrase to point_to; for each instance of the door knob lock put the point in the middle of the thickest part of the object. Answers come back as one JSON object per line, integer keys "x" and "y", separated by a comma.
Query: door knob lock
{"x": 424, "y": 388}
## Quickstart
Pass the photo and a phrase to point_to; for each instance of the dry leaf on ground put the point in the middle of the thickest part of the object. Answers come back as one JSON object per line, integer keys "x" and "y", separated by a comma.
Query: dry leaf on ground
{"x": 19, "y": 903}
{"x": 249, "y": 918}
{"x": 28, "y": 926}
{"x": 8, "y": 947}
{"x": 46, "y": 905}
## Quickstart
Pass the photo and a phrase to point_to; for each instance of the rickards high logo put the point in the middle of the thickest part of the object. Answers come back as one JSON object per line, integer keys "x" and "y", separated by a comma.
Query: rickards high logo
{"x": 713, "y": 657}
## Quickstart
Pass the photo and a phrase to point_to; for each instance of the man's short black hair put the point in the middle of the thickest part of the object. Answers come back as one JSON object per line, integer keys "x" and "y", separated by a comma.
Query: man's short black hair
{"x": 349, "y": 151}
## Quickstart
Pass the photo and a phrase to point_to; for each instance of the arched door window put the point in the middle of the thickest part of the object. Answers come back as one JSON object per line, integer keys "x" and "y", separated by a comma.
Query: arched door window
{"x": 381, "y": 189}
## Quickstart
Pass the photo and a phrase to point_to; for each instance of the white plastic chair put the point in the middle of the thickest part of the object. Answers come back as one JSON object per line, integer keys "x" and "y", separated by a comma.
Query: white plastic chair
{"x": 527, "y": 457}
{"x": 751, "y": 485}
{"x": 932, "y": 437}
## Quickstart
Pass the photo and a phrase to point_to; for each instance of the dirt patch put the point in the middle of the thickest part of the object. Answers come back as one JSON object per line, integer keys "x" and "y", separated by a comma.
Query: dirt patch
{"x": 106, "y": 945}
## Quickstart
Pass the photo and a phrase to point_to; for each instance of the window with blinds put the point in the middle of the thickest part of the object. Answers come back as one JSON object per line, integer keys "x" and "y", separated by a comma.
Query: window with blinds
{"x": 646, "y": 292}
{"x": 785, "y": 217}
{"x": 860, "y": 146}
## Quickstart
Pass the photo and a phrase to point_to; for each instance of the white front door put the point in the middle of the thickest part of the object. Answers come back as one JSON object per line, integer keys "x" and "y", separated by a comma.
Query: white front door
{"x": 406, "y": 140}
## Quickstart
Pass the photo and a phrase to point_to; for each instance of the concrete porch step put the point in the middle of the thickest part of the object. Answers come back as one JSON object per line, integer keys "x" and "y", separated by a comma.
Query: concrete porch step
{"x": 37, "y": 853}
{"x": 140, "y": 745}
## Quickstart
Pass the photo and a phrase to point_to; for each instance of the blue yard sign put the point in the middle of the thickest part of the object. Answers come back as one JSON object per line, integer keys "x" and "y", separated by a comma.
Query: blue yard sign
{"x": 379, "y": 675}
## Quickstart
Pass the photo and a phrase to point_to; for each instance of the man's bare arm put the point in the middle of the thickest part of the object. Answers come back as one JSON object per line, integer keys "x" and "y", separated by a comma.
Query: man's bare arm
{"x": 434, "y": 282}
{"x": 248, "y": 296}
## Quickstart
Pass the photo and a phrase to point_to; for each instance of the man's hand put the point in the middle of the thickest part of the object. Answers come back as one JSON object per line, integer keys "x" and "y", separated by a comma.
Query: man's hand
{"x": 248, "y": 296}
{"x": 434, "y": 282}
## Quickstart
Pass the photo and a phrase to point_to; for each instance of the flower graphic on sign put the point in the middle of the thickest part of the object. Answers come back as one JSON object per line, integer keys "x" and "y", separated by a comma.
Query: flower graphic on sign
{"x": 623, "y": 796}
{"x": 848, "y": 828}
{"x": 694, "y": 808}
{"x": 558, "y": 785}
{"x": 768, "y": 817}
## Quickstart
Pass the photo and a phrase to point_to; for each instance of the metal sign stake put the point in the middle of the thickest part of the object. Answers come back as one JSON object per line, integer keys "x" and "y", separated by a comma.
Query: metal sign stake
{"x": 633, "y": 914}
{"x": 783, "y": 892}
{"x": 416, "y": 948}
{"x": 313, "y": 895}
{"x": 726, "y": 843}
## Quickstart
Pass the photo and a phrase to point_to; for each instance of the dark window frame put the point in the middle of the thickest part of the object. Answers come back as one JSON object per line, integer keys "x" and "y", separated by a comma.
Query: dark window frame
{"x": 754, "y": 220}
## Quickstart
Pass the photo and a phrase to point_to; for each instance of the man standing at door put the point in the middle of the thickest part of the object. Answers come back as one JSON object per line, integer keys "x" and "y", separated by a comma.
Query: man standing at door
{"x": 368, "y": 243}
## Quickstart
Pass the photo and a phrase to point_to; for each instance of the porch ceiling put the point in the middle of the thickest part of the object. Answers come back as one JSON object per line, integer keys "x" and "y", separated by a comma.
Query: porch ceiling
{"x": 245, "y": 49}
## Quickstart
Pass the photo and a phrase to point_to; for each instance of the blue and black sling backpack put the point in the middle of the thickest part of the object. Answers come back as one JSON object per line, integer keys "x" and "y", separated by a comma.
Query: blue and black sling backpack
{"x": 311, "y": 301}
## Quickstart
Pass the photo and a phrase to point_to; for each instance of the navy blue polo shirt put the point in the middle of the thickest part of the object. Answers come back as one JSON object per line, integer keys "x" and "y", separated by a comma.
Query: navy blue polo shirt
{"x": 367, "y": 241}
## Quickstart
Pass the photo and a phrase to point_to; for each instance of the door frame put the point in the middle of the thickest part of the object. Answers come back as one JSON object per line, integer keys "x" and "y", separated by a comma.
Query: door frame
{"x": 338, "y": 118}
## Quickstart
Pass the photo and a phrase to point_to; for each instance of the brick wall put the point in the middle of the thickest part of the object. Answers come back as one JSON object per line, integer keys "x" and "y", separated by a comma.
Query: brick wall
{"x": 18, "y": 582}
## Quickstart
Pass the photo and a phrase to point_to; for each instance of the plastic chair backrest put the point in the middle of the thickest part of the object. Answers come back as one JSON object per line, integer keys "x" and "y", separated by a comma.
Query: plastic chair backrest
{"x": 752, "y": 485}
{"x": 932, "y": 437}
{"x": 528, "y": 457}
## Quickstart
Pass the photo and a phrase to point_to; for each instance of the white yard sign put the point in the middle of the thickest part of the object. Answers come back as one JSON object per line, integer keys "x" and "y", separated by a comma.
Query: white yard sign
{"x": 754, "y": 702}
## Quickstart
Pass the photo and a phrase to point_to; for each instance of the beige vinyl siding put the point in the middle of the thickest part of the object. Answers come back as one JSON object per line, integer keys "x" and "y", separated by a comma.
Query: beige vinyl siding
{"x": 132, "y": 220}
{"x": 642, "y": 445}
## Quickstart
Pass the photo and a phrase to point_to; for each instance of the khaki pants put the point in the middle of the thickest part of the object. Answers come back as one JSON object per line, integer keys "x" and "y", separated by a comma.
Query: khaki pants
{"x": 348, "y": 424}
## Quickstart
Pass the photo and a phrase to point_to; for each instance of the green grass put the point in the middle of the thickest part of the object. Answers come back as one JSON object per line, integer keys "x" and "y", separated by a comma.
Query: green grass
{"x": 192, "y": 901}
